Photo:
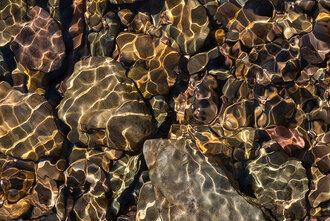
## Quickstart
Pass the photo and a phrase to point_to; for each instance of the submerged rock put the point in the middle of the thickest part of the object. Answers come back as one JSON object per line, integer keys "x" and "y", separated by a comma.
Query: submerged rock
{"x": 155, "y": 62}
{"x": 188, "y": 186}
{"x": 185, "y": 21}
{"x": 103, "y": 107}
{"x": 279, "y": 183}
{"x": 233, "y": 96}
{"x": 28, "y": 128}
{"x": 11, "y": 15}
{"x": 38, "y": 43}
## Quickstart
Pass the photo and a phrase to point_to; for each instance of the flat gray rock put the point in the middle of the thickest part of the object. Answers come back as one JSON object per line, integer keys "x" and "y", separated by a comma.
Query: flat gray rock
{"x": 189, "y": 186}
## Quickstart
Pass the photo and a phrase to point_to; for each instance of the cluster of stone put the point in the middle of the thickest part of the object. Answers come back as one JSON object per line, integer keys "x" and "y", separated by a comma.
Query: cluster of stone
{"x": 164, "y": 110}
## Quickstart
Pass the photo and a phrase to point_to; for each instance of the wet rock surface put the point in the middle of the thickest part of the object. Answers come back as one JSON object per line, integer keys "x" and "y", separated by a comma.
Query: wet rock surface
{"x": 99, "y": 113}
{"x": 164, "y": 110}
{"x": 28, "y": 128}
{"x": 11, "y": 14}
{"x": 280, "y": 183}
{"x": 189, "y": 186}
{"x": 38, "y": 43}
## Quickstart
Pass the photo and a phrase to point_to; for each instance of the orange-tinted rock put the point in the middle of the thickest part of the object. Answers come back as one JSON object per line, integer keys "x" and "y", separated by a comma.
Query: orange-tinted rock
{"x": 94, "y": 13}
{"x": 155, "y": 62}
{"x": 101, "y": 105}
{"x": 11, "y": 15}
{"x": 28, "y": 128}
{"x": 184, "y": 30}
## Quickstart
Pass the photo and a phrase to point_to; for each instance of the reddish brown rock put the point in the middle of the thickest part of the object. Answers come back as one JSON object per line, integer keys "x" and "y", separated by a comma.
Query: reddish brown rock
{"x": 38, "y": 43}
{"x": 287, "y": 138}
